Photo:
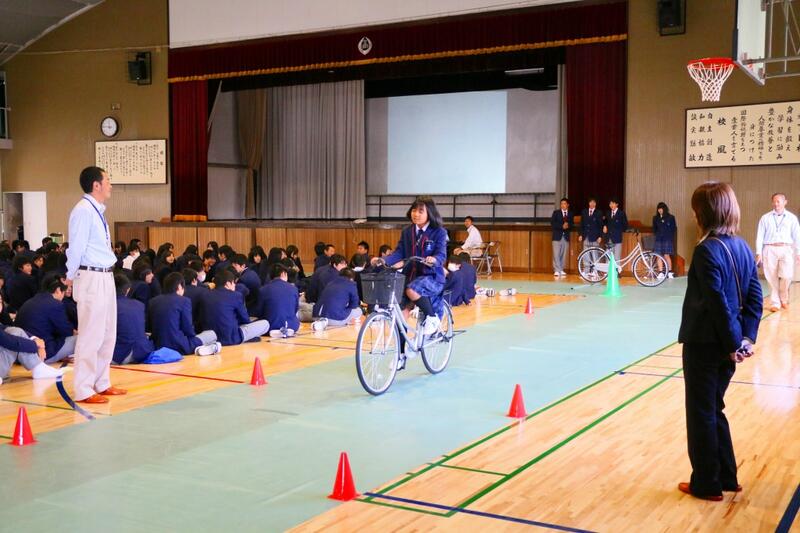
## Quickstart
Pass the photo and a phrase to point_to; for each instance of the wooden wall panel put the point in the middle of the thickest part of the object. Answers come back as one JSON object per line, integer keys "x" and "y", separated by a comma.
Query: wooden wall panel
{"x": 541, "y": 251}
{"x": 179, "y": 236}
{"x": 206, "y": 234}
{"x": 126, "y": 233}
{"x": 306, "y": 238}
{"x": 356, "y": 235}
{"x": 385, "y": 236}
{"x": 271, "y": 237}
{"x": 514, "y": 249}
{"x": 240, "y": 239}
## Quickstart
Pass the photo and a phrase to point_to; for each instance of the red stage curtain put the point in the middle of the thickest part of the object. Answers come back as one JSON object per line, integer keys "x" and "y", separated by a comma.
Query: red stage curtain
{"x": 425, "y": 40}
{"x": 189, "y": 124}
{"x": 595, "y": 88}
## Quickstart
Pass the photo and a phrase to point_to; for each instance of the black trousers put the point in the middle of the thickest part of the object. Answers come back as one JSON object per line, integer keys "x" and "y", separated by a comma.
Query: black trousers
{"x": 707, "y": 371}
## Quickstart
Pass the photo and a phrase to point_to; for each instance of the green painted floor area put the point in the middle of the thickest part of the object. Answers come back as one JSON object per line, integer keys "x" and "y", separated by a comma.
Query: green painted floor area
{"x": 246, "y": 459}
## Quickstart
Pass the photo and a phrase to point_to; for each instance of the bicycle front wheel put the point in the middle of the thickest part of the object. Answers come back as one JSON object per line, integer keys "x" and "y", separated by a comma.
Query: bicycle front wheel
{"x": 377, "y": 353}
{"x": 593, "y": 264}
{"x": 437, "y": 349}
{"x": 650, "y": 269}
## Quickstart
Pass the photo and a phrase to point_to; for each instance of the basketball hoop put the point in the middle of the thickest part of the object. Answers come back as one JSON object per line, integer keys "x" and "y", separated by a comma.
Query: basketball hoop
{"x": 710, "y": 73}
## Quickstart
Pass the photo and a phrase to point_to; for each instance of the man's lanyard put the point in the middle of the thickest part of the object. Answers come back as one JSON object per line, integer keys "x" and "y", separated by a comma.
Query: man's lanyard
{"x": 775, "y": 219}
{"x": 102, "y": 218}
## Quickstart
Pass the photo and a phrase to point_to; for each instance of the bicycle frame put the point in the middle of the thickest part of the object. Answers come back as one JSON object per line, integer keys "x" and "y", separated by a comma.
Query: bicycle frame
{"x": 396, "y": 312}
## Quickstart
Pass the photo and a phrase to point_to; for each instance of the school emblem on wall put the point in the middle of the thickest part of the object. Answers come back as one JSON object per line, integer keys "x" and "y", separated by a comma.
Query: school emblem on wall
{"x": 364, "y": 45}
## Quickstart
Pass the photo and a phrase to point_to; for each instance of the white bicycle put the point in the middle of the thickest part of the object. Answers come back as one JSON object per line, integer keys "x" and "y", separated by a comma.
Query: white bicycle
{"x": 649, "y": 268}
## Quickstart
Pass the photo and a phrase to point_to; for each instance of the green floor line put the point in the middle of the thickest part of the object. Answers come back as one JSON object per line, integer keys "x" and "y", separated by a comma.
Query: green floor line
{"x": 477, "y": 470}
{"x": 491, "y": 436}
{"x": 38, "y": 404}
{"x": 401, "y": 507}
{"x": 5, "y": 437}
{"x": 538, "y": 458}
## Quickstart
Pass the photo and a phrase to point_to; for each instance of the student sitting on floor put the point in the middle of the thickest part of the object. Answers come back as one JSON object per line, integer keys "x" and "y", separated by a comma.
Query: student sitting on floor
{"x": 319, "y": 255}
{"x": 224, "y": 255}
{"x": 362, "y": 250}
{"x": 45, "y": 316}
{"x": 194, "y": 289}
{"x": 142, "y": 282}
{"x": 323, "y": 275}
{"x": 339, "y": 301}
{"x": 18, "y": 346}
{"x": 170, "y": 316}
{"x": 454, "y": 283}
{"x": 166, "y": 265}
{"x": 248, "y": 278}
{"x": 470, "y": 277}
{"x": 132, "y": 346}
{"x": 279, "y": 300}
{"x": 22, "y": 286}
{"x": 133, "y": 255}
{"x": 224, "y": 312}
{"x": 322, "y": 260}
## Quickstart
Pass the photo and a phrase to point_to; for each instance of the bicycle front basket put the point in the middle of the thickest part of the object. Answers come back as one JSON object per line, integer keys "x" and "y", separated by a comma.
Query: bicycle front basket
{"x": 379, "y": 287}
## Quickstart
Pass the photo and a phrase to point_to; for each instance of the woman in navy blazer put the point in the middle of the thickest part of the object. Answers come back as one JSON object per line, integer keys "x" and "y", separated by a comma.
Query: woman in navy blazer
{"x": 425, "y": 237}
{"x": 719, "y": 324}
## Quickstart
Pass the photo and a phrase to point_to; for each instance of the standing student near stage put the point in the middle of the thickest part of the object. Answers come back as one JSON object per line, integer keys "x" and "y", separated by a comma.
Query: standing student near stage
{"x": 591, "y": 225}
{"x": 223, "y": 311}
{"x": 664, "y": 227}
{"x": 45, "y": 316}
{"x": 170, "y": 317}
{"x": 561, "y": 223}
{"x": 778, "y": 248}
{"x": 90, "y": 264}
{"x": 719, "y": 323}
{"x": 616, "y": 224}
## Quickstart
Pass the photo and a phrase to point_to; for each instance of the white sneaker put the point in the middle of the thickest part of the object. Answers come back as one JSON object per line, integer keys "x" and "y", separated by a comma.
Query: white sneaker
{"x": 320, "y": 324}
{"x": 431, "y": 325}
{"x": 562, "y": 274}
{"x": 670, "y": 275}
{"x": 660, "y": 275}
{"x": 208, "y": 349}
{"x": 512, "y": 291}
{"x": 43, "y": 371}
{"x": 505, "y": 292}
{"x": 556, "y": 274}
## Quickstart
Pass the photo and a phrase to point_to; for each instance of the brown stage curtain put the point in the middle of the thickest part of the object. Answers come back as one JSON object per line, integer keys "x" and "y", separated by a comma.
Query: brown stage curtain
{"x": 251, "y": 111}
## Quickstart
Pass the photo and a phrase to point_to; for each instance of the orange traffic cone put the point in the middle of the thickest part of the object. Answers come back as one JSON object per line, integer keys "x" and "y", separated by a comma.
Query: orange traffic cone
{"x": 344, "y": 489}
{"x": 258, "y": 375}
{"x": 517, "y": 408}
{"x": 22, "y": 430}
{"x": 529, "y": 307}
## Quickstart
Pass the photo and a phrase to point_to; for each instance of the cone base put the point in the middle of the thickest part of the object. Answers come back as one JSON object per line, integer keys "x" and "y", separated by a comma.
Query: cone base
{"x": 343, "y": 498}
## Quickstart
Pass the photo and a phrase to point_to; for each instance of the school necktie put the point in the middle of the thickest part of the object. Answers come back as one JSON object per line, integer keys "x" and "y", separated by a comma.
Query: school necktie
{"x": 591, "y": 211}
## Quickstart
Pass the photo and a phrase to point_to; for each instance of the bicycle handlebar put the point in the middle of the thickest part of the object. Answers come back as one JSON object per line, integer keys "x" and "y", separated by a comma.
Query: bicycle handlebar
{"x": 412, "y": 259}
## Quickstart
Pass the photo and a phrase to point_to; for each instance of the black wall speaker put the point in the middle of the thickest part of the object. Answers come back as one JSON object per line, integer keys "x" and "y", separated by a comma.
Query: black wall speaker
{"x": 671, "y": 17}
{"x": 139, "y": 69}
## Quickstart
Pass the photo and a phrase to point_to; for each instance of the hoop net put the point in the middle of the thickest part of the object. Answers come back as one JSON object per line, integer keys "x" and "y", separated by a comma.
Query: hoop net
{"x": 710, "y": 73}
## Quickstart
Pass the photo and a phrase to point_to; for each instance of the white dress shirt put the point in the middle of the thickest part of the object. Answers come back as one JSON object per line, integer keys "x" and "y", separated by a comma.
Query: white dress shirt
{"x": 89, "y": 237}
{"x": 474, "y": 239}
{"x": 775, "y": 229}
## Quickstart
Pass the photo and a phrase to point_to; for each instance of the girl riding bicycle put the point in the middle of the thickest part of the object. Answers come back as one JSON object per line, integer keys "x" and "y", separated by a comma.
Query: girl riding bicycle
{"x": 425, "y": 237}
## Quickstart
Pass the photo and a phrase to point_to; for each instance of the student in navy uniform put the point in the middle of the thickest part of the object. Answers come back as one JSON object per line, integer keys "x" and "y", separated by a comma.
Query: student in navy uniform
{"x": 16, "y": 346}
{"x": 279, "y": 300}
{"x": 470, "y": 276}
{"x": 319, "y": 252}
{"x": 165, "y": 265}
{"x": 132, "y": 346}
{"x": 170, "y": 316}
{"x": 454, "y": 283}
{"x": 616, "y": 224}
{"x": 293, "y": 252}
{"x": 323, "y": 275}
{"x": 591, "y": 225}
{"x": 22, "y": 286}
{"x": 362, "y": 250}
{"x": 225, "y": 313}
{"x": 425, "y": 237}
{"x": 561, "y": 223}
{"x": 142, "y": 281}
{"x": 719, "y": 323}
{"x": 255, "y": 257}
{"x": 194, "y": 290}
{"x": 36, "y": 271}
{"x": 45, "y": 316}
{"x": 322, "y": 260}
{"x": 339, "y": 301}
{"x": 248, "y": 278}
{"x": 665, "y": 228}
{"x": 275, "y": 256}
{"x": 224, "y": 255}
{"x": 6, "y": 260}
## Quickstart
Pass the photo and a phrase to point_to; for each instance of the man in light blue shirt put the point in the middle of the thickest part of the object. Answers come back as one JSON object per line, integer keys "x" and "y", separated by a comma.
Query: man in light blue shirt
{"x": 90, "y": 265}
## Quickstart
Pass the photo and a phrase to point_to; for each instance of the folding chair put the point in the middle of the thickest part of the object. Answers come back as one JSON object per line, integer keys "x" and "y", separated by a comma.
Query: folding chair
{"x": 482, "y": 261}
{"x": 492, "y": 255}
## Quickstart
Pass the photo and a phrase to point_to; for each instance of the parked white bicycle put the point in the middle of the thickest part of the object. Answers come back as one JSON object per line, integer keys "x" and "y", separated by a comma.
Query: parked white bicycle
{"x": 649, "y": 268}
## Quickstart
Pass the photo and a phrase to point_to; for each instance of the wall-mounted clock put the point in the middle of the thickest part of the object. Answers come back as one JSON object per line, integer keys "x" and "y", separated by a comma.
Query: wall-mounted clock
{"x": 109, "y": 127}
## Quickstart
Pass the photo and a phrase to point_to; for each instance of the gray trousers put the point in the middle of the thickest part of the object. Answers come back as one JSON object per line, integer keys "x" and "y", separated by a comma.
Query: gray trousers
{"x": 207, "y": 337}
{"x": 66, "y": 351}
{"x": 251, "y": 330}
{"x": 354, "y": 313}
{"x": 560, "y": 253}
{"x": 304, "y": 312}
{"x": 8, "y": 358}
{"x": 617, "y": 249}
{"x": 592, "y": 244}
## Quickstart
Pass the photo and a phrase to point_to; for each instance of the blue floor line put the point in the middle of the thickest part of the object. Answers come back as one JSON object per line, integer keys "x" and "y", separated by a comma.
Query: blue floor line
{"x": 790, "y": 514}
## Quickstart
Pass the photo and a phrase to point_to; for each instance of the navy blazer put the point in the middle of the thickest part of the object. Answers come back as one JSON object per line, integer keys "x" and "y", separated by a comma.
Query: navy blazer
{"x": 19, "y": 289}
{"x": 279, "y": 301}
{"x": 170, "y": 317}
{"x": 17, "y": 344}
{"x": 45, "y": 317}
{"x": 223, "y": 311}
{"x": 664, "y": 227}
{"x": 470, "y": 280}
{"x": 249, "y": 278}
{"x": 433, "y": 242}
{"x": 195, "y": 294}
{"x": 131, "y": 339}
{"x": 72, "y": 310}
{"x": 455, "y": 286}
{"x": 141, "y": 291}
{"x": 320, "y": 261}
{"x": 319, "y": 279}
{"x": 616, "y": 226}
{"x": 557, "y": 222}
{"x": 338, "y": 298}
{"x": 592, "y": 226}
{"x": 711, "y": 305}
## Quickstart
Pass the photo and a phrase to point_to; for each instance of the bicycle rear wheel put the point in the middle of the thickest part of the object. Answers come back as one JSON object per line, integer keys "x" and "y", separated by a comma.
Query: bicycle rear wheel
{"x": 650, "y": 269}
{"x": 377, "y": 353}
{"x": 437, "y": 349}
{"x": 593, "y": 264}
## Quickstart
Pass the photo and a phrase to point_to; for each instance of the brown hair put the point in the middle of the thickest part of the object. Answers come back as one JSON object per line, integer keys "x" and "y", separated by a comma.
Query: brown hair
{"x": 716, "y": 208}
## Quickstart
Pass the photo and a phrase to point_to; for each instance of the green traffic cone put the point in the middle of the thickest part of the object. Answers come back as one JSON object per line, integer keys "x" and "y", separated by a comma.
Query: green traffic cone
{"x": 612, "y": 281}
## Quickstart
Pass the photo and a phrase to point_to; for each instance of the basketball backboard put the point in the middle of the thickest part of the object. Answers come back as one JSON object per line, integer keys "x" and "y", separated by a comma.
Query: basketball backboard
{"x": 750, "y": 38}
